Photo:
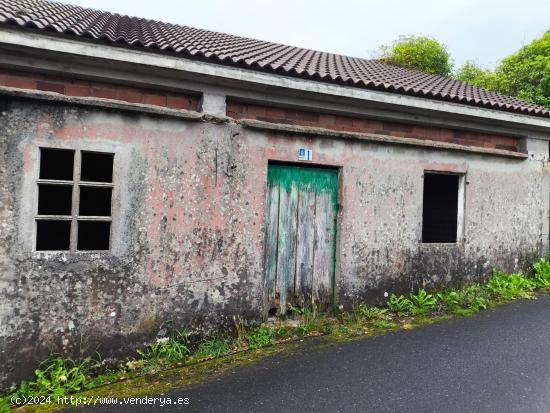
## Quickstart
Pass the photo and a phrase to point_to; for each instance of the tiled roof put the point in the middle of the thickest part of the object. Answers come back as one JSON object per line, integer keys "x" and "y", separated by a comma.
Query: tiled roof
{"x": 252, "y": 54}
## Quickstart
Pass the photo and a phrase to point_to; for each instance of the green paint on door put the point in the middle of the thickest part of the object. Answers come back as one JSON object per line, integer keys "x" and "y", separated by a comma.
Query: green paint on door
{"x": 302, "y": 205}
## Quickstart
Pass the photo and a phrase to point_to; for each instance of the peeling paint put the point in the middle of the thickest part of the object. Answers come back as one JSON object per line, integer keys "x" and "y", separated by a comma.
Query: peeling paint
{"x": 189, "y": 227}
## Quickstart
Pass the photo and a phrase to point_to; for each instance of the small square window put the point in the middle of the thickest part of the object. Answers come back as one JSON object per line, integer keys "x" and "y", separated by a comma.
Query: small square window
{"x": 96, "y": 167}
{"x": 56, "y": 164}
{"x": 89, "y": 192}
{"x": 95, "y": 201}
{"x": 440, "y": 208}
{"x": 53, "y": 235}
{"x": 55, "y": 199}
{"x": 93, "y": 235}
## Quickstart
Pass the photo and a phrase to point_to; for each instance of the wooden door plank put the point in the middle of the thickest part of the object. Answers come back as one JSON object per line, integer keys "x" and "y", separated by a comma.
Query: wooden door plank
{"x": 323, "y": 267}
{"x": 293, "y": 232}
{"x": 304, "y": 246}
{"x": 286, "y": 252}
{"x": 282, "y": 250}
{"x": 272, "y": 226}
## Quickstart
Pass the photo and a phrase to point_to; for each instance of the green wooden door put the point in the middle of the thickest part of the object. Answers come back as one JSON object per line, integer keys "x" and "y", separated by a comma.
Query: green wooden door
{"x": 302, "y": 205}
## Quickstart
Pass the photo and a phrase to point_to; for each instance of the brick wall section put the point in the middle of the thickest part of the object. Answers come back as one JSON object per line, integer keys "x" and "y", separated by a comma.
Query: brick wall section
{"x": 239, "y": 110}
{"x": 75, "y": 87}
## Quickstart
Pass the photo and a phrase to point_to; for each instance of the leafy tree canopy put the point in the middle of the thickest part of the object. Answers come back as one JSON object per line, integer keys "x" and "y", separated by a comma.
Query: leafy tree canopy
{"x": 524, "y": 74}
{"x": 470, "y": 72}
{"x": 418, "y": 52}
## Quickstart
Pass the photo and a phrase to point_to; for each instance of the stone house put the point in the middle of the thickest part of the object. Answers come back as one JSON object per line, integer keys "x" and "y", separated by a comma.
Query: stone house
{"x": 153, "y": 174}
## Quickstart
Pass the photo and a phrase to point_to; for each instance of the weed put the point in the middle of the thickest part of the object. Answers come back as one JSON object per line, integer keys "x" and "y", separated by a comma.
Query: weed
{"x": 304, "y": 329}
{"x": 326, "y": 326}
{"x": 452, "y": 301}
{"x": 475, "y": 297}
{"x": 172, "y": 348}
{"x": 295, "y": 310}
{"x": 371, "y": 313}
{"x": 56, "y": 377}
{"x": 509, "y": 286}
{"x": 213, "y": 347}
{"x": 352, "y": 317}
{"x": 383, "y": 324}
{"x": 306, "y": 313}
{"x": 5, "y": 404}
{"x": 542, "y": 273}
{"x": 240, "y": 330}
{"x": 260, "y": 337}
{"x": 281, "y": 331}
{"x": 422, "y": 302}
{"x": 400, "y": 305}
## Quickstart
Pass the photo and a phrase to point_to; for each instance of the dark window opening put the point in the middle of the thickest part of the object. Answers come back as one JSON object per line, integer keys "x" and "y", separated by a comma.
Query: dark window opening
{"x": 56, "y": 164}
{"x": 59, "y": 210}
{"x": 440, "y": 210}
{"x": 97, "y": 167}
{"x": 95, "y": 201}
{"x": 55, "y": 199}
{"x": 53, "y": 235}
{"x": 93, "y": 235}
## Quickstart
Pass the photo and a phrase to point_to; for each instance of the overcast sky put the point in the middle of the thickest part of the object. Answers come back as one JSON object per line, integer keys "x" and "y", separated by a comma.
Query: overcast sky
{"x": 482, "y": 30}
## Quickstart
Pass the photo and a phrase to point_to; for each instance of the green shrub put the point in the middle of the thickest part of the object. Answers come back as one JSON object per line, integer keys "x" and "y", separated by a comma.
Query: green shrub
{"x": 400, "y": 305}
{"x": 422, "y": 302}
{"x": 418, "y": 52}
{"x": 259, "y": 337}
{"x": 451, "y": 300}
{"x": 509, "y": 286}
{"x": 213, "y": 347}
{"x": 305, "y": 313}
{"x": 305, "y": 328}
{"x": 172, "y": 348}
{"x": 55, "y": 377}
{"x": 542, "y": 273}
{"x": 475, "y": 297}
{"x": 5, "y": 404}
{"x": 371, "y": 313}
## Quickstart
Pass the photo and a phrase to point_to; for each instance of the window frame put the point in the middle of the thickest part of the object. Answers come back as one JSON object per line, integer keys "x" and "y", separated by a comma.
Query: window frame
{"x": 460, "y": 213}
{"x": 75, "y": 184}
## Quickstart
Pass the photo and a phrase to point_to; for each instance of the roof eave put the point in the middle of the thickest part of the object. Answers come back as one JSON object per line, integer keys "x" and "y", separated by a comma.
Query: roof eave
{"x": 61, "y": 45}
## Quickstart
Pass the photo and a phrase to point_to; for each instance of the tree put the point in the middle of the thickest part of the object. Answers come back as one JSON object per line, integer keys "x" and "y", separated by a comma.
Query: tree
{"x": 524, "y": 74}
{"x": 471, "y": 73}
{"x": 418, "y": 52}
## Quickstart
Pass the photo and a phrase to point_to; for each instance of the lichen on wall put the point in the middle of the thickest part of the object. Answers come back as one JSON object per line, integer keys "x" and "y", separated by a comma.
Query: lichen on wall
{"x": 180, "y": 252}
{"x": 187, "y": 244}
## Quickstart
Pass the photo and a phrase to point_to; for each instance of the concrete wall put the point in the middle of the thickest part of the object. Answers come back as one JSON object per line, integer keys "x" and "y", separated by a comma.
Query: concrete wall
{"x": 188, "y": 226}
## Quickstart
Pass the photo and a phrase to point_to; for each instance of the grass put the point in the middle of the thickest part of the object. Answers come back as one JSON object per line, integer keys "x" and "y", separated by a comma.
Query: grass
{"x": 214, "y": 347}
{"x": 173, "y": 348}
{"x": 153, "y": 363}
{"x": 261, "y": 337}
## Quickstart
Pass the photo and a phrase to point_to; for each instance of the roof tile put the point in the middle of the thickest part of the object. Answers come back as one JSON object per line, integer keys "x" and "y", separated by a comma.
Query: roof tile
{"x": 252, "y": 54}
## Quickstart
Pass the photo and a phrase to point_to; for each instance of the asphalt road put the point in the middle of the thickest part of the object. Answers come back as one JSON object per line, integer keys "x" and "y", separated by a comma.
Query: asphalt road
{"x": 496, "y": 361}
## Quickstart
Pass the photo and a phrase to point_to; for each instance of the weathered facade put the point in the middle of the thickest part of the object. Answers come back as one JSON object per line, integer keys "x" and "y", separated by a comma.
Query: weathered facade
{"x": 193, "y": 199}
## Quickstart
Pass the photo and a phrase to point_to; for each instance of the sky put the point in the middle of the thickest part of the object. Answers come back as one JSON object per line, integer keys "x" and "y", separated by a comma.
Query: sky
{"x": 481, "y": 30}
